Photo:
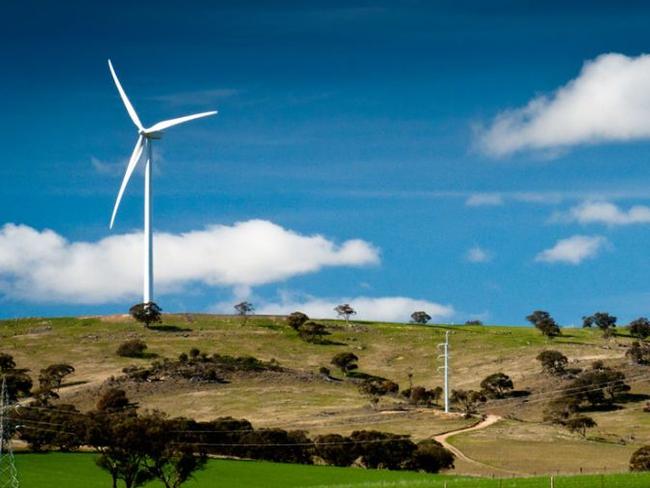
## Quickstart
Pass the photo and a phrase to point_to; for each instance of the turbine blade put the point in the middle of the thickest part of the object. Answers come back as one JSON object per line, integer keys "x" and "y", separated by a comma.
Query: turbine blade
{"x": 133, "y": 162}
{"x": 166, "y": 124}
{"x": 125, "y": 99}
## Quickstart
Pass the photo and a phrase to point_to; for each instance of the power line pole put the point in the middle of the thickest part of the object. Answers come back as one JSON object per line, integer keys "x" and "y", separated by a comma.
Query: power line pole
{"x": 8, "y": 471}
{"x": 445, "y": 368}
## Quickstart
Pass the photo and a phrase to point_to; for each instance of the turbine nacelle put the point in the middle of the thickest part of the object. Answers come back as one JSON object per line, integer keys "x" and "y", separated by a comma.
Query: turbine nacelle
{"x": 151, "y": 134}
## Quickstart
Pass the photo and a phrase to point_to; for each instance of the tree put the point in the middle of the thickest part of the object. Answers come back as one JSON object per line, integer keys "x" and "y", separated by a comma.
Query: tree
{"x": 334, "y": 449}
{"x": 7, "y": 362}
{"x": 296, "y": 319}
{"x": 580, "y": 424}
{"x": 468, "y": 400}
{"x": 134, "y": 348}
{"x": 346, "y": 311}
{"x": 313, "y": 332}
{"x": 553, "y": 362}
{"x": 420, "y": 317}
{"x": 497, "y": 385}
{"x": 382, "y": 450}
{"x": 345, "y": 361}
{"x": 50, "y": 380}
{"x": 602, "y": 320}
{"x": 146, "y": 313}
{"x": 640, "y": 460}
{"x": 121, "y": 441}
{"x": 244, "y": 309}
{"x": 598, "y": 387}
{"x": 115, "y": 400}
{"x": 473, "y": 322}
{"x": 168, "y": 460}
{"x": 545, "y": 323}
{"x": 44, "y": 427}
{"x": 431, "y": 456}
{"x": 19, "y": 384}
{"x": 640, "y": 328}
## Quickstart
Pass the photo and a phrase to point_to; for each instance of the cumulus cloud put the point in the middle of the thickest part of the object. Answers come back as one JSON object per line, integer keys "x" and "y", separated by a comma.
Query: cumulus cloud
{"x": 389, "y": 309}
{"x": 42, "y": 266}
{"x": 477, "y": 254}
{"x": 608, "y": 101}
{"x": 594, "y": 212}
{"x": 484, "y": 199}
{"x": 573, "y": 250}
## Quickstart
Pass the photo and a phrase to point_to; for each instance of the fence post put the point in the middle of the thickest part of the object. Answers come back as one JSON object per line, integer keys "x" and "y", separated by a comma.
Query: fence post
{"x": 552, "y": 482}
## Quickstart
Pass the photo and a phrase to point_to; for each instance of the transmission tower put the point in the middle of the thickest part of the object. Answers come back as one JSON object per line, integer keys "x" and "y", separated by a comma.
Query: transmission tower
{"x": 8, "y": 471}
{"x": 445, "y": 357}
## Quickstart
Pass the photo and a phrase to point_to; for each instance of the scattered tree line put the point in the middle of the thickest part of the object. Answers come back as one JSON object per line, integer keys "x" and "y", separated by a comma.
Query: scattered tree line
{"x": 596, "y": 388}
{"x": 135, "y": 447}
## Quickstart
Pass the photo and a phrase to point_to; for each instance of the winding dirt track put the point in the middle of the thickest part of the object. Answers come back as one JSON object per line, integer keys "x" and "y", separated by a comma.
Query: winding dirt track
{"x": 486, "y": 422}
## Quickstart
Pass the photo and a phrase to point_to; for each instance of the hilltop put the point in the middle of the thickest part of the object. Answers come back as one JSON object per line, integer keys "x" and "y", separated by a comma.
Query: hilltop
{"x": 296, "y": 396}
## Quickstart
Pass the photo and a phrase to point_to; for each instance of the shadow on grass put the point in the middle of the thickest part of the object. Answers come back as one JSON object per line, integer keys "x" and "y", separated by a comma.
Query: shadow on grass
{"x": 633, "y": 398}
{"x": 169, "y": 328}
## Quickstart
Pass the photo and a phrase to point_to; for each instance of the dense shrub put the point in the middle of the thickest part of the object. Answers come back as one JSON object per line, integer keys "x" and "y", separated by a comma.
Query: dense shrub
{"x": 313, "y": 332}
{"x": 553, "y": 362}
{"x": 640, "y": 460}
{"x": 296, "y": 320}
{"x": 382, "y": 449}
{"x": 134, "y": 348}
{"x": 146, "y": 313}
{"x": 431, "y": 456}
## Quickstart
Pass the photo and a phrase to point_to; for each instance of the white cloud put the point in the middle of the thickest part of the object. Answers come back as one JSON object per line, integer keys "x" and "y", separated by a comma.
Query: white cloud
{"x": 608, "y": 101}
{"x": 592, "y": 212}
{"x": 389, "y": 309}
{"x": 484, "y": 199}
{"x": 573, "y": 250}
{"x": 478, "y": 255}
{"x": 42, "y": 266}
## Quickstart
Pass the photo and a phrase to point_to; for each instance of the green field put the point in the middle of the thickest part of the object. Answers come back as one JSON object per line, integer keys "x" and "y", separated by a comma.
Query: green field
{"x": 56, "y": 470}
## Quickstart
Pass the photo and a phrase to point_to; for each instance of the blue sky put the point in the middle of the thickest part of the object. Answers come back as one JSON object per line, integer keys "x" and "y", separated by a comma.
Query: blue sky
{"x": 375, "y": 121}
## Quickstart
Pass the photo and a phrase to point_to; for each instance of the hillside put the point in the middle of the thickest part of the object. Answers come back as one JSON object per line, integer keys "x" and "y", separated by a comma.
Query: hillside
{"x": 299, "y": 398}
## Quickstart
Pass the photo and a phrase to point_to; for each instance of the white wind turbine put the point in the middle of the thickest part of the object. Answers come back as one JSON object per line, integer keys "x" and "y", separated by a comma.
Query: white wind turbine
{"x": 145, "y": 139}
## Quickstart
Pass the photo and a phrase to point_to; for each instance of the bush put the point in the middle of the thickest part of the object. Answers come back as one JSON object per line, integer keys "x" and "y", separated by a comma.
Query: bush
{"x": 553, "y": 362}
{"x": 313, "y": 333}
{"x": 296, "y": 320}
{"x": 132, "y": 349}
{"x": 345, "y": 361}
{"x": 639, "y": 352}
{"x": 334, "y": 449}
{"x": 473, "y": 322}
{"x": 497, "y": 385}
{"x": 420, "y": 317}
{"x": 640, "y": 460}
{"x": 419, "y": 395}
{"x": 146, "y": 313}
{"x": 640, "y": 328}
{"x": 431, "y": 456}
{"x": 382, "y": 450}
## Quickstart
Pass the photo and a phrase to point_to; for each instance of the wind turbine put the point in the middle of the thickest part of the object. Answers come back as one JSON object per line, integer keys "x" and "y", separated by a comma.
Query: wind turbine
{"x": 146, "y": 136}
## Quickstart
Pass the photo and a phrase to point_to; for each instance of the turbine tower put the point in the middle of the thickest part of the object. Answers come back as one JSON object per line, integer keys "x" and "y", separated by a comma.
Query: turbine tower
{"x": 146, "y": 136}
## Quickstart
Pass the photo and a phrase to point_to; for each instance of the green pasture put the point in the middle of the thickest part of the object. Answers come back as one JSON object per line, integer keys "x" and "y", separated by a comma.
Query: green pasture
{"x": 58, "y": 470}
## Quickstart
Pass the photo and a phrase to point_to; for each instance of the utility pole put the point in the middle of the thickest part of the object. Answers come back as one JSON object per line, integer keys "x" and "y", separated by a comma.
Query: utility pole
{"x": 445, "y": 368}
{"x": 8, "y": 471}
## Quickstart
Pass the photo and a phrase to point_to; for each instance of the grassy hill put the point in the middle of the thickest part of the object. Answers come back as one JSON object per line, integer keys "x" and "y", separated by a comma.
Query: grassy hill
{"x": 520, "y": 444}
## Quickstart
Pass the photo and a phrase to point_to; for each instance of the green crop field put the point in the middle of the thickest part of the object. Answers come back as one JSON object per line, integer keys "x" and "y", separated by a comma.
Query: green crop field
{"x": 57, "y": 470}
